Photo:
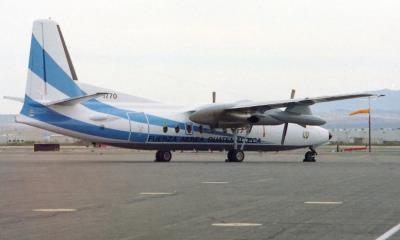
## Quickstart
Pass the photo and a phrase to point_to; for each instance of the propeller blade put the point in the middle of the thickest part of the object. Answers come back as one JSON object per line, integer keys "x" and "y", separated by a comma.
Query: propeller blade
{"x": 285, "y": 127}
{"x": 284, "y": 133}
{"x": 292, "y": 93}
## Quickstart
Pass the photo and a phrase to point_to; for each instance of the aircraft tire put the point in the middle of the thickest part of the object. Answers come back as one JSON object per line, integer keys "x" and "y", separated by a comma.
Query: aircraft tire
{"x": 229, "y": 159}
{"x": 158, "y": 157}
{"x": 239, "y": 156}
{"x": 166, "y": 156}
{"x": 235, "y": 156}
{"x": 309, "y": 157}
{"x": 163, "y": 156}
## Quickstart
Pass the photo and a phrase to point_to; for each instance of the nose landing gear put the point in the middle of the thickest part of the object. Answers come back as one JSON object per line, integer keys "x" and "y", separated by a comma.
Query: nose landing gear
{"x": 310, "y": 155}
{"x": 236, "y": 154}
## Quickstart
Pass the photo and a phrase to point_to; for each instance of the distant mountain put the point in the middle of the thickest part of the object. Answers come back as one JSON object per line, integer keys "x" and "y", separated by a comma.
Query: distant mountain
{"x": 385, "y": 111}
{"x": 7, "y": 119}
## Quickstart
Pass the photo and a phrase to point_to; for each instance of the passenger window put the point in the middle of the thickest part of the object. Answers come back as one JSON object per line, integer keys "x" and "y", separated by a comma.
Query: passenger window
{"x": 165, "y": 128}
{"x": 177, "y": 129}
{"x": 201, "y": 128}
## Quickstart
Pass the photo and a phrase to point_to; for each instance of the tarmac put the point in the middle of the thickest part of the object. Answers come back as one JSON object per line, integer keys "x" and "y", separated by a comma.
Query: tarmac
{"x": 123, "y": 194}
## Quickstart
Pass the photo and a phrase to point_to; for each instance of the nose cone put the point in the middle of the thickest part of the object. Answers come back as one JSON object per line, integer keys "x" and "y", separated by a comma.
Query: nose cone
{"x": 323, "y": 136}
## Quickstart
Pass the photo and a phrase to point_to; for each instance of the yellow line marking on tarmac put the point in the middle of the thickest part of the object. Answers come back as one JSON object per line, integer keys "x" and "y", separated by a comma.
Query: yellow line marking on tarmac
{"x": 324, "y": 203}
{"x": 54, "y": 210}
{"x": 236, "y": 224}
{"x": 214, "y": 182}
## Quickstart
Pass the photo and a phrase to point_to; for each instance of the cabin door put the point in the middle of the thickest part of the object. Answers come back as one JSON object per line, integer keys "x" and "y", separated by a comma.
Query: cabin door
{"x": 139, "y": 127}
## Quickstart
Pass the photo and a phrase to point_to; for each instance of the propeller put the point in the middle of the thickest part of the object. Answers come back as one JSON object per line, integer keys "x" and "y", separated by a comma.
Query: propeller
{"x": 285, "y": 127}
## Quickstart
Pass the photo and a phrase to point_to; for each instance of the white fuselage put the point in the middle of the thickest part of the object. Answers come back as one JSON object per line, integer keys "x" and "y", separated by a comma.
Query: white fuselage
{"x": 146, "y": 124}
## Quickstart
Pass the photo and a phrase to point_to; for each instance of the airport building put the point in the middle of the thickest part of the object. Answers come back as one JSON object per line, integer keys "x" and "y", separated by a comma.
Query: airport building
{"x": 360, "y": 136}
{"x": 18, "y": 134}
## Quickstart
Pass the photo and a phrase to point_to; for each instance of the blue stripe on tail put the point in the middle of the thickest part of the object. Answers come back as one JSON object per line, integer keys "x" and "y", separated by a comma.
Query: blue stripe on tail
{"x": 54, "y": 74}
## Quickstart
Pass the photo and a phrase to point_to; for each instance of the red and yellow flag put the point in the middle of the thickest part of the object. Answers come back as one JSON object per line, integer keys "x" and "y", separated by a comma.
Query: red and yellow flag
{"x": 360, "y": 111}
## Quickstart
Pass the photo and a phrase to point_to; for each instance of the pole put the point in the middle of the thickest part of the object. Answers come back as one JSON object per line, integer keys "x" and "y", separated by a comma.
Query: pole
{"x": 214, "y": 97}
{"x": 369, "y": 124}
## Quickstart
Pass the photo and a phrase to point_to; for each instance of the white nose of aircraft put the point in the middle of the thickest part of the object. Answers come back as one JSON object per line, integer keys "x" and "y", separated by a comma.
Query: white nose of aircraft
{"x": 326, "y": 135}
{"x": 323, "y": 136}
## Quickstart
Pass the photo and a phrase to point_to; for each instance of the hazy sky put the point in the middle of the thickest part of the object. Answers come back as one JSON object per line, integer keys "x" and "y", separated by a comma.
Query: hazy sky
{"x": 180, "y": 51}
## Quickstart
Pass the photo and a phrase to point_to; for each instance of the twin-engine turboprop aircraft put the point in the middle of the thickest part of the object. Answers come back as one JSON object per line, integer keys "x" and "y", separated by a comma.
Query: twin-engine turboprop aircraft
{"x": 56, "y": 101}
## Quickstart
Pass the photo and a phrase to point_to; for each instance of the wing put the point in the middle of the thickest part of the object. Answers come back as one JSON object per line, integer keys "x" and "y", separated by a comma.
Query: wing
{"x": 264, "y": 113}
{"x": 264, "y": 106}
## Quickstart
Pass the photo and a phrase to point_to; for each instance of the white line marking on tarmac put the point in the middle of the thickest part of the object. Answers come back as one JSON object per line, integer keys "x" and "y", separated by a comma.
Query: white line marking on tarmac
{"x": 236, "y": 224}
{"x": 264, "y": 180}
{"x": 54, "y": 210}
{"x": 214, "y": 182}
{"x": 324, "y": 203}
{"x": 389, "y": 233}
{"x": 155, "y": 193}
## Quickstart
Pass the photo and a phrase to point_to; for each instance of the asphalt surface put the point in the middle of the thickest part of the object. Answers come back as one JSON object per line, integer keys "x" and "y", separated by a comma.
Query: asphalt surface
{"x": 125, "y": 195}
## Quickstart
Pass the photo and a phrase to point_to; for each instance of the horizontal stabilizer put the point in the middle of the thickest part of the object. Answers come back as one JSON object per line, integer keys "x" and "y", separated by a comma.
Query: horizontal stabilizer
{"x": 17, "y": 99}
{"x": 75, "y": 100}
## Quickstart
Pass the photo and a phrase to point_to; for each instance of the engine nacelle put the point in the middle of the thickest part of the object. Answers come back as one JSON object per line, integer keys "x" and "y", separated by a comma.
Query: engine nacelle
{"x": 210, "y": 115}
{"x": 263, "y": 119}
{"x": 216, "y": 115}
{"x": 301, "y": 119}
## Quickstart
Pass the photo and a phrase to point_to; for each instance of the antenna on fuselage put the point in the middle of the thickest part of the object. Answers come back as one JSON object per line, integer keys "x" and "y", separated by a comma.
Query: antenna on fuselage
{"x": 214, "y": 97}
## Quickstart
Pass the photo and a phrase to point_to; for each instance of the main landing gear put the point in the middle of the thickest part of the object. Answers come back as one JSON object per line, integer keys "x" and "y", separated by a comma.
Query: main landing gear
{"x": 310, "y": 155}
{"x": 163, "y": 156}
{"x": 236, "y": 154}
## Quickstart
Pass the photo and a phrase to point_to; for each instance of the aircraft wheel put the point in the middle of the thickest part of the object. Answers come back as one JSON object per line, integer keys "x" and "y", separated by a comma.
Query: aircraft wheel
{"x": 158, "y": 157}
{"x": 309, "y": 156}
{"x": 166, "y": 156}
{"x": 163, "y": 156}
{"x": 239, "y": 156}
{"x": 229, "y": 159}
{"x": 235, "y": 156}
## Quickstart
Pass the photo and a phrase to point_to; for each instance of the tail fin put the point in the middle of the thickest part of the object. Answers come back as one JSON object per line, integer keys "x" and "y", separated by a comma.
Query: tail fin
{"x": 51, "y": 74}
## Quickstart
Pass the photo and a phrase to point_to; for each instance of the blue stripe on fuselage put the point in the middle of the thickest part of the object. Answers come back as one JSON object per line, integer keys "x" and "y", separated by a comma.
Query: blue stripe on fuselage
{"x": 42, "y": 113}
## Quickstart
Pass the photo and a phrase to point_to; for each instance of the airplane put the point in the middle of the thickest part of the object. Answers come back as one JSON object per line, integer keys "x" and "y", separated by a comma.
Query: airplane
{"x": 56, "y": 101}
